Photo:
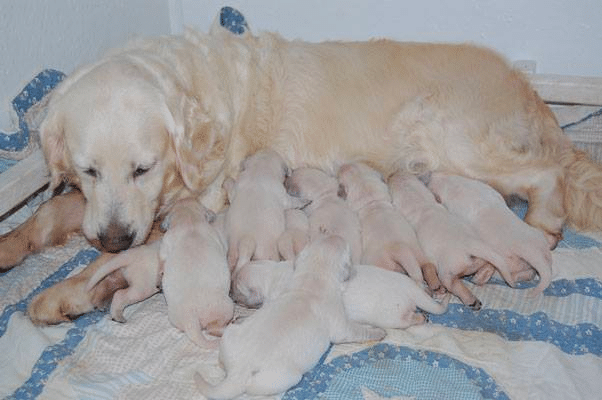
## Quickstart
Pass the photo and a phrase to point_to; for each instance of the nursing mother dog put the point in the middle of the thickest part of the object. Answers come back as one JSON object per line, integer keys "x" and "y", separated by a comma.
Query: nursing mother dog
{"x": 171, "y": 117}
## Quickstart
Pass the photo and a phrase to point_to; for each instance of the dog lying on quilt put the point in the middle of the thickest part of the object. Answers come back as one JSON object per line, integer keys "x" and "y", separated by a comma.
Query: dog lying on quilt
{"x": 173, "y": 117}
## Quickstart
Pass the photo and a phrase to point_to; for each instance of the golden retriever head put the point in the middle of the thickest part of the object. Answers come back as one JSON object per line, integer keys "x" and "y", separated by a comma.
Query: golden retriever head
{"x": 133, "y": 140}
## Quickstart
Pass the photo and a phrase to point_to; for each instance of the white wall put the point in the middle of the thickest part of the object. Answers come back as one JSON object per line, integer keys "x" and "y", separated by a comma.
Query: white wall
{"x": 562, "y": 36}
{"x": 61, "y": 34}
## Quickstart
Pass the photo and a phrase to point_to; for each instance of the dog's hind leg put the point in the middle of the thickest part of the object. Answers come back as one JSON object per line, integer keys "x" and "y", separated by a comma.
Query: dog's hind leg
{"x": 51, "y": 225}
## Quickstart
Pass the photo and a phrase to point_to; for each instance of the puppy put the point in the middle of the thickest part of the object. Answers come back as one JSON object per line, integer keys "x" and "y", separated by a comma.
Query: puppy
{"x": 258, "y": 281}
{"x": 141, "y": 269}
{"x": 388, "y": 239}
{"x": 447, "y": 240}
{"x": 255, "y": 218}
{"x": 485, "y": 209}
{"x": 268, "y": 352}
{"x": 387, "y": 299}
{"x": 296, "y": 234}
{"x": 374, "y": 296}
{"x": 328, "y": 213}
{"x": 196, "y": 278}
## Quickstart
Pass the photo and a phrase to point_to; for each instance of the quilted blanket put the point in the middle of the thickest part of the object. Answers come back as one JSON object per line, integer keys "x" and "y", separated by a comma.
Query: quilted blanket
{"x": 515, "y": 347}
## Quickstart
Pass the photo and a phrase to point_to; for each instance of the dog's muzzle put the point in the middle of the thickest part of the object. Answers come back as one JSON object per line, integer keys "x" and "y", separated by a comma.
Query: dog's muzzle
{"x": 116, "y": 238}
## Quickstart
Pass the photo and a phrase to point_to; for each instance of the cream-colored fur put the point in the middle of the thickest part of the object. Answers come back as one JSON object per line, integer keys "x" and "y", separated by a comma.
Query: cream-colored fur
{"x": 449, "y": 241}
{"x": 388, "y": 239}
{"x": 269, "y": 351}
{"x": 141, "y": 269}
{"x": 174, "y": 116}
{"x": 523, "y": 246}
{"x": 196, "y": 278}
{"x": 327, "y": 212}
{"x": 255, "y": 218}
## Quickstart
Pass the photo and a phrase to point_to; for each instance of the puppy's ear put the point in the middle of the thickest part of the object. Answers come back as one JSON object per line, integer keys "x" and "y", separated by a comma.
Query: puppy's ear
{"x": 52, "y": 137}
{"x": 197, "y": 142}
{"x": 342, "y": 192}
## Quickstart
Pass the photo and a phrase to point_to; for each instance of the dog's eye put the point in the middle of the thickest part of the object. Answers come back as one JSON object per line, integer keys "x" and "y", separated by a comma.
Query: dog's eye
{"x": 93, "y": 172}
{"x": 140, "y": 171}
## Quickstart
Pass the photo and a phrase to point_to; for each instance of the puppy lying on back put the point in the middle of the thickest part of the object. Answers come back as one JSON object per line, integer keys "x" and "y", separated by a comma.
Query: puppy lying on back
{"x": 374, "y": 296}
{"x": 388, "y": 239}
{"x": 268, "y": 352}
{"x": 196, "y": 277}
{"x": 255, "y": 218}
{"x": 327, "y": 211}
{"x": 141, "y": 269}
{"x": 485, "y": 209}
{"x": 387, "y": 299}
{"x": 446, "y": 239}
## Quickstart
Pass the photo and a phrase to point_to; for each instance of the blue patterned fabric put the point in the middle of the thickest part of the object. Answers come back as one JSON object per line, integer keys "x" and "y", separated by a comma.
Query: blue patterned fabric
{"x": 393, "y": 371}
{"x": 233, "y": 20}
{"x": 35, "y": 90}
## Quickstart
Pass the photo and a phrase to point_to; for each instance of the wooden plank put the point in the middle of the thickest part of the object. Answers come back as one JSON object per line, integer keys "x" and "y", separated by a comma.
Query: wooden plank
{"x": 568, "y": 89}
{"x": 22, "y": 180}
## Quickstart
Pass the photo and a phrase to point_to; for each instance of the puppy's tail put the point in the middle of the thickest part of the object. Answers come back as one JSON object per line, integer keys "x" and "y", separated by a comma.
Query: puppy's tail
{"x": 229, "y": 388}
{"x": 428, "y": 304}
{"x": 583, "y": 191}
{"x": 110, "y": 266}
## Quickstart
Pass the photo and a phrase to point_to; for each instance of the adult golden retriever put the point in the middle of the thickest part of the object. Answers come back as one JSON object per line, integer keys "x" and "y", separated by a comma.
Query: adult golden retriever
{"x": 171, "y": 117}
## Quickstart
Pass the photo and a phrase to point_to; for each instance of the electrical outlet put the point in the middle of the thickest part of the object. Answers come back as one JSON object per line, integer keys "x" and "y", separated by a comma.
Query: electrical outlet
{"x": 525, "y": 66}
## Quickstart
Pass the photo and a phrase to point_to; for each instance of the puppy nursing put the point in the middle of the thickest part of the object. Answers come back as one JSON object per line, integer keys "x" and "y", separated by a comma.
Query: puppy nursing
{"x": 523, "y": 246}
{"x": 447, "y": 240}
{"x": 327, "y": 211}
{"x": 388, "y": 239}
{"x": 269, "y": 351}
{"x": 196, "y": 277}
{"x": 255, "y": 219}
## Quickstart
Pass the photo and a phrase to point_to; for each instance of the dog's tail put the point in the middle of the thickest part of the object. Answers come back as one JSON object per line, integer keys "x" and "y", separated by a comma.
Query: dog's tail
{"x": 229, "y": 388}
{"x": 583, "y": 191}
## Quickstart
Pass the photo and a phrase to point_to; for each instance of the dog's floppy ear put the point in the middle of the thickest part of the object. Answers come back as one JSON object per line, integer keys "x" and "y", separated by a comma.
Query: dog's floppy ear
{"x": 197, "y": 142}
{"x": 52, "y": 137}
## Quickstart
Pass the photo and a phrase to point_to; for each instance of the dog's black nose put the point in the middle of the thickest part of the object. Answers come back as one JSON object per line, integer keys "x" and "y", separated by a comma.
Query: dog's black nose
{"x": 116, "y": 238}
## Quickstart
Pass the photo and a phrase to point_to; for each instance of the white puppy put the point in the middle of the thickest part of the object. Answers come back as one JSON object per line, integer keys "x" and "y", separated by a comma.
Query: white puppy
{"x": 327, "y": 211}
{"x": 484, "y": 208}
{"x": 268, "y": 352}
{"x": 387, "y": 299}
{"x": 373, "y": 295}
{"x": 196, "y": 277}
{"x": 255, "y": 218}
{"x": 446, "y": 239}
{"x": 388, "y": 239}
{"x": 141, "y": 269}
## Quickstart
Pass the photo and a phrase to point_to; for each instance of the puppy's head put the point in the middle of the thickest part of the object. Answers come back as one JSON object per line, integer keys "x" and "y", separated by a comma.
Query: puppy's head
{"x": 310, "y": 184}
{"x": 125, "y": 134}
{"x": 362, "y": 184}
